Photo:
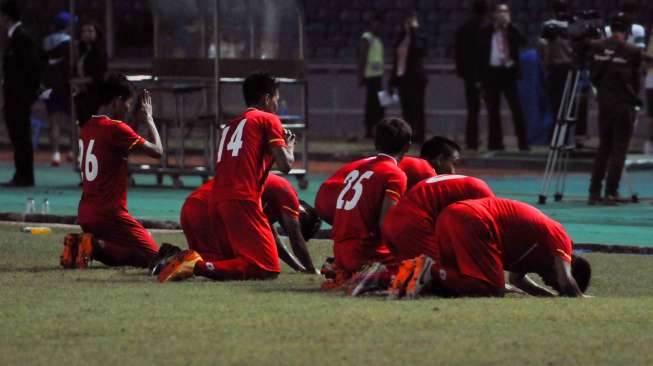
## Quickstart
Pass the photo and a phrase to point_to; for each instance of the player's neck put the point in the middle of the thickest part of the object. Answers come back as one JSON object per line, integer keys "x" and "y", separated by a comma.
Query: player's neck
{"x": 396, "y": 158}
{"x": 105, "y": 111}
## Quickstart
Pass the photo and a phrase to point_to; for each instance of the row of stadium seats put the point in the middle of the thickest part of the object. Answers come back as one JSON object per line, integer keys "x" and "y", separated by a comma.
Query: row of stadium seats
{"x": 333, "y": 27}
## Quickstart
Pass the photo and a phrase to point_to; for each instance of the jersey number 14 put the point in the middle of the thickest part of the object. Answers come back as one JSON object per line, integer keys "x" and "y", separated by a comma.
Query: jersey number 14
{"x": 235, "y": 142}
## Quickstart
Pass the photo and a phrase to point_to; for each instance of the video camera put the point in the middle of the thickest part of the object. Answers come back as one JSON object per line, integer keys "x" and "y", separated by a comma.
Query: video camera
{"x": 580, "y": 26}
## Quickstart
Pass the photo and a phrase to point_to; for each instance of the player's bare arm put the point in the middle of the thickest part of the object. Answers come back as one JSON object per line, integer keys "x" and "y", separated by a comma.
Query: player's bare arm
{"x": 526, "y": 284}
{"x": 387, "y": 204}
{"x": 144, "y": 115}
{"x": 566, "y": 282}
{"x": 285, "y": 156}
{"x": 298, "y": 244}
{"x": 284, "y": 253}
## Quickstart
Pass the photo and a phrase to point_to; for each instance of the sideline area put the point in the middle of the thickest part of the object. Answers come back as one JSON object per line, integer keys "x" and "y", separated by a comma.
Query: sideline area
{"x": 620, "y": 225}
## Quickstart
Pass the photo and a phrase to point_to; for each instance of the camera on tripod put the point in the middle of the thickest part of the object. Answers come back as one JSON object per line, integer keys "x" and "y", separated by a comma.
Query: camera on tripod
{"x": 577, "y": 28}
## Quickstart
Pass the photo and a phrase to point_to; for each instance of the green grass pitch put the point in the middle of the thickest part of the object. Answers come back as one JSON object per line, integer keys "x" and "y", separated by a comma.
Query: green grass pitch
{"x": 119, "y": 316}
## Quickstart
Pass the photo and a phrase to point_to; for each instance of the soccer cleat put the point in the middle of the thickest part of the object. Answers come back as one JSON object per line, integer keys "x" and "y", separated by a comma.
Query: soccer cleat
{"x": 404, "y": 274}
{"x": 421, "y": 276}
{"x": 84, "y": 251}
{"x": 180, "y": 267}
{"x": 69, "y": 252}
{"x": 368, "y": 279}
{"x": 163, "y": 257}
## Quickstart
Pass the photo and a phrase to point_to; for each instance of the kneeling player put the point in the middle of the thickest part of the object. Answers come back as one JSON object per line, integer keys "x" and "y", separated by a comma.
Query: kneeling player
{"x": 281, "y": 204}
{"x": 478, "y": 239}
{"x": 249, "y": 145}
{"x": 111, "y": 235}
{"x": 369, "y": 192}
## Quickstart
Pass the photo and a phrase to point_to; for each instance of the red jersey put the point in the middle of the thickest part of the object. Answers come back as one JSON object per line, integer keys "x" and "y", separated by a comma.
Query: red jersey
{"x": 529, "y": 239}
{"x": 104, "y": 146}
{"x": 429, "y": 197}
{"x": 359, "y": 204}
{"x": 416, "y": 170}
{"x": 279, "y": 197}
{"x": 327, "y": 195}
{"x": 245, "y": 155}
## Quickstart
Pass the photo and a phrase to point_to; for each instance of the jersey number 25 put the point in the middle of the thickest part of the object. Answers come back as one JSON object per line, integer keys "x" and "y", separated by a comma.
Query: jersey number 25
{"x": 354, "y": 180}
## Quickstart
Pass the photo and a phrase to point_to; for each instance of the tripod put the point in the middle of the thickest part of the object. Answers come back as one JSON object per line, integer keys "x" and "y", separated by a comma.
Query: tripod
{"x": 562, "y": 142}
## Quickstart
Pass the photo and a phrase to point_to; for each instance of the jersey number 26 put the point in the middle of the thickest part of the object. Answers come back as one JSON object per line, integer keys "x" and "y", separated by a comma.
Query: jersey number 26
{"x": 91, "y": 167}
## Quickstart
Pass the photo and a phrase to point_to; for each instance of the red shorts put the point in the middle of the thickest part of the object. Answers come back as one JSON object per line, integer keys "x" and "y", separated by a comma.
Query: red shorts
{"x": 409, "y": 233}
{"x": 351, "y": 255}
{"x": 467, "y": 242}
{"x": 126, "y": 241}
{"x": 239, "y": 229}
{"x": 194, "y": 221}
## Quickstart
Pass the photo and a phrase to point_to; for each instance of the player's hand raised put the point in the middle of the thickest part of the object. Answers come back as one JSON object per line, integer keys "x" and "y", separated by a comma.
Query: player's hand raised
{"x": 144, "y": 104}
{"x": 290, "y": 137}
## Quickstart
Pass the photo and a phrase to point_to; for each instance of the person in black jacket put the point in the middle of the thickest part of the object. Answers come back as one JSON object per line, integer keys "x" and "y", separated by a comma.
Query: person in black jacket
{"x": 408, "y": 75}
{"x": 92, "y": 66}
{"x": 22, "y": 71}
{"x": 499, "y": 71}
{"x": 466, "y": 48}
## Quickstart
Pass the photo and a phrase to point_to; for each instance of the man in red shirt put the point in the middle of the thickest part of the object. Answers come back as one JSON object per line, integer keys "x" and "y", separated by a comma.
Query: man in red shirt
{"x": 249, "y": 145}
{"x": 280, "y": 204}
{"x": 111, "y": 235}
{"x": 369, "y": 192}
{"x": 478, "y": 239}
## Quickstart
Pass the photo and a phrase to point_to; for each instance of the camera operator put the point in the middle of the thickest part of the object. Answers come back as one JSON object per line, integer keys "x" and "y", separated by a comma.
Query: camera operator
{"x": 557, "y": 53}
{"x": 615, "y": 72}
{"x": 637, "y": 34}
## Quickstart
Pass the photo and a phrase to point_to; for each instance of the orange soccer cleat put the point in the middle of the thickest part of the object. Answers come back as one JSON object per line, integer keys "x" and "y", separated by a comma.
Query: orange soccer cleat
{"x": 69, "y": 252}
{"x": 404, "y": 274}
{"x": 84, "y": 250}
{"x": 421, "y": 276}
{"x": 180, "y": 267}
{"x": 339, "y": 282}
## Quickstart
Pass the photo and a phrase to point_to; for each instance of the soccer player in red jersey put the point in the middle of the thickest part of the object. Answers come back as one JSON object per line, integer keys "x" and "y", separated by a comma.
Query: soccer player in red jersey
{"x": 479, "y": 239}
{"x": 111, "y": 235}
{"x": 281, "y": 204}
{"x": 369, "y": 192}
{"x": 249, "y": 145}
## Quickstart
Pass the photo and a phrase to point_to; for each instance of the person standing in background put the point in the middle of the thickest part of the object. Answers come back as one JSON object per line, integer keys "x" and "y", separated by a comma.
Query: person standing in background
{"x": 22, "y": 77}
{"x": 57, "y": 78}
{"x": 499, "y": 68}
{"x": 370, "y": 73}
{"x": 408, "y": 75}
{"x": 92, "y": 66}
{"x": 466, "y": 48}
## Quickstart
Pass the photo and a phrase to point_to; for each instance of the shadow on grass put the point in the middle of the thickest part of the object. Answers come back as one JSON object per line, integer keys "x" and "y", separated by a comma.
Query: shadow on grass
{"x": 43, "y": 269}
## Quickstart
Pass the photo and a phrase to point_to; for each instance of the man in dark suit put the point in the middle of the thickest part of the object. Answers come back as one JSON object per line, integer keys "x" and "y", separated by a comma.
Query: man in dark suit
{"x": 408, "y": 75}
{"x": 499, "y": 71}
{"x": 21, "y": 72}
{"x": 466, "y": 59}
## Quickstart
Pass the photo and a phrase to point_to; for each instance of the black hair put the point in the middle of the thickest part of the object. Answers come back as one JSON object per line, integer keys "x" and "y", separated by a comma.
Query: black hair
{"x": 114, "y": 86}
{"x": 257, "y": 85}
{"x": 437, "y": 146}
{"x": 581, "y": 271}
{"x": 629, "y": 6}
{"x": 560, "y": 6}
{"x": 621, "y": 22}
{"x": 11, "y": 9}
{"x": 309, "y": 221}
{"x": 479, "y": 7}
{"x": 392, "y": 136}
